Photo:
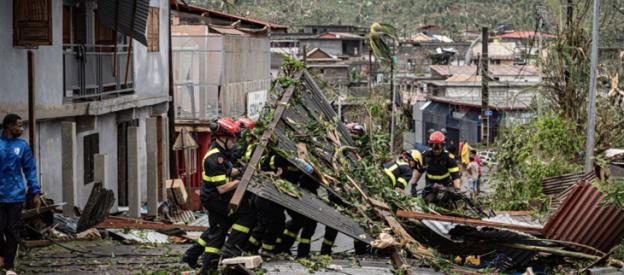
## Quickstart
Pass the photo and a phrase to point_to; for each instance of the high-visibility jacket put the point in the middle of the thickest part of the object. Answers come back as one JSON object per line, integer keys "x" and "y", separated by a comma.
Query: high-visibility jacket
{"x": 399, "y": 173}
{"x": 215, "y": 173}
{"x": 439, "y": 169}
{"x": 465, "y": 153}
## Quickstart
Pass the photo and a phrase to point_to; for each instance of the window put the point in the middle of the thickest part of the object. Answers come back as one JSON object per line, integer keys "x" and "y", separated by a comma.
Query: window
{"x": 91, "y": 146}
{"x": 74, "y": 24}
{"x": 153, "y": 24}
{"x": 32, "y": 23}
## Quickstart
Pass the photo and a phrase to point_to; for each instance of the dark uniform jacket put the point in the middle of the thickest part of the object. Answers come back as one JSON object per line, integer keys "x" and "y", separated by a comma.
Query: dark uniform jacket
{"x": 216, "y": 172}
{"x": 399, "y": 173}
{"x": 440, "y": 169}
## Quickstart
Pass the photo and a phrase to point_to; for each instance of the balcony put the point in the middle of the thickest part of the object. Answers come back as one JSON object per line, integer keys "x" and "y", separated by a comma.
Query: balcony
{"x": 89, "y": 74}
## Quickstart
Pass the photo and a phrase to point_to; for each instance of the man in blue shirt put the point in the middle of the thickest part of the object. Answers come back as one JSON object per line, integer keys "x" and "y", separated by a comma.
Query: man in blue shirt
{"x": 16, "y": 162}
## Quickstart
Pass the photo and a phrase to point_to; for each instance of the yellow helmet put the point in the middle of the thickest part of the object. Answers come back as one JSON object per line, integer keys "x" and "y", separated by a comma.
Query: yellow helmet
{"x": 416, "y": 156}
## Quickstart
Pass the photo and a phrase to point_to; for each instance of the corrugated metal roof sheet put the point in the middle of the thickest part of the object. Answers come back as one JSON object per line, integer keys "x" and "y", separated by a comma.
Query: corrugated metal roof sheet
{"x": 557, "y": 184}
{"x": 581, "y": 219}
{"x": 226, "y": 30}
{"x": 559, "y": 187}
{"x": 109, "y": 10}
{"x": 310, "y": 206}
{"x": 217, "y": 14}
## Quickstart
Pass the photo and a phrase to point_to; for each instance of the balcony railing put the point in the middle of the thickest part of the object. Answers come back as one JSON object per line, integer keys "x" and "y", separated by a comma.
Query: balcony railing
{"x": 89, "y": 72}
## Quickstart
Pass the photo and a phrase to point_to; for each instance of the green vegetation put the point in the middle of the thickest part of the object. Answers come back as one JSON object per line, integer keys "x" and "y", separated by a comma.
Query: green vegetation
{"x": 544, "y": 147}
{"x": 553, "y": 141}
{"x": 408, "y": 15}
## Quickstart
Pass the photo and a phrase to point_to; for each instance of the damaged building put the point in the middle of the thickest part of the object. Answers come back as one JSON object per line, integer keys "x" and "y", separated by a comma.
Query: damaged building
{"x": 99, "y": 94}
{"x": 221, "y": 68}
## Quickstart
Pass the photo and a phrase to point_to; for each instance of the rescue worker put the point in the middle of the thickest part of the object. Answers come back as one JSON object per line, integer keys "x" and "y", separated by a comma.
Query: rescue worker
{"x": 244, "y": 149}
{"x": 359, "y": 136}
{"x": 216, "y": 192}
{"x": 400, "y": 171}
{"x": 16, "y": 163}
{"x": 439, "y": 165}
{"x": 300, "y": 222}
{"x": 270, "y": 216}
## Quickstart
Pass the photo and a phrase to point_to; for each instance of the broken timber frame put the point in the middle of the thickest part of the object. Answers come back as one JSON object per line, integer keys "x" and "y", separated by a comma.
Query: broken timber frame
{"x": 250, "y": 169}
{"x": 537, "y": 231}
{"x": 127, "y": 223}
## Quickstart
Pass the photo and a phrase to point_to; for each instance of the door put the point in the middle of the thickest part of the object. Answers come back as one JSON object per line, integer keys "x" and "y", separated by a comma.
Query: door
{"x": 122, "y": 164}
{"x": 452, "y": 140}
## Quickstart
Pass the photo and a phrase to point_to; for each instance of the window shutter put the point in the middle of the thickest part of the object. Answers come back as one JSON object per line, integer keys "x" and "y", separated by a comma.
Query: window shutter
{"x": 32, "y": 23}
{"x": 153, "y": 24}
{"x": 103, "y": 35}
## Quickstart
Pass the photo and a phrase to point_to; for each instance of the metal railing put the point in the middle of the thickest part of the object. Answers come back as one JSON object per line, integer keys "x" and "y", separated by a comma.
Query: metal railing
{"x": 89, "y": 71}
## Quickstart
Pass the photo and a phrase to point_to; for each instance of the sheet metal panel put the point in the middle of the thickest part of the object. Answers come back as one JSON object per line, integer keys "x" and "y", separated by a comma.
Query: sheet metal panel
{"x": 310, "y": 206}
{"x": 581, "y": 219}
{"x": 109, "y": 10}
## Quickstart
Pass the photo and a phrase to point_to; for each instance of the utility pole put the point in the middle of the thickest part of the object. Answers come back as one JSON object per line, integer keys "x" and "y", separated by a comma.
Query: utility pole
{"x": 392, "y": 122}
{"x": 485, "y": 111}
{"x": 370, "y": 73}
{"x": 591, "y": 109}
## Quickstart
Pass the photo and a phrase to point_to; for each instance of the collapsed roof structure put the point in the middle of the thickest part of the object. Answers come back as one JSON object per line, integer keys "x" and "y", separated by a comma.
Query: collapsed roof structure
{"x": 301, "y": 125}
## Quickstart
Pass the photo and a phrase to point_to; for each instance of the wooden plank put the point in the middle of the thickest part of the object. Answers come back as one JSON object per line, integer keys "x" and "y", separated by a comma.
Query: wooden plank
{"x": 115, "y": 222}
{"x": 257, "y": 154}
{"x": 100, "y": 202}
{"x": 469, "y": 221}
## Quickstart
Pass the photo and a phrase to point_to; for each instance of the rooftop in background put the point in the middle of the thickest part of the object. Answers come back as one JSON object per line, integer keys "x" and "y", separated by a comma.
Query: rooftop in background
{"x": 319, "y": 29}
{"x": 525, "y": 35}
{"x": 503, "y": 50}
{"x": 182, "y": 7}
{"x": 494, "y": 104}
{"x": 495, "y": 70}
{"x": 340, "y": 36}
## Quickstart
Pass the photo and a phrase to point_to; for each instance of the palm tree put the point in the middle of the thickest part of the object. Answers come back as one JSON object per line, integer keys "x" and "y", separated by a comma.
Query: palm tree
{"x": 378, "y": 38}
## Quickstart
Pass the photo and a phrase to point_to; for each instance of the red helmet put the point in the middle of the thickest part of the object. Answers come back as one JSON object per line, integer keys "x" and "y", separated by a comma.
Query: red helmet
{"x": 246, "y": 123}
{"x": 436, "y": 137}
{"x": 225, "y": 127}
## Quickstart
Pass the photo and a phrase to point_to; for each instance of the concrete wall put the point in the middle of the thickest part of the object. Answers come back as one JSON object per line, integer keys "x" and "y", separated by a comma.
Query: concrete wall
{"x": 151, "y": 78}
{"x": 106, "y": 126}
{"x": 14, "y": 69}
{"x": 151, "y": 69}
{"x": 500, "y": 96}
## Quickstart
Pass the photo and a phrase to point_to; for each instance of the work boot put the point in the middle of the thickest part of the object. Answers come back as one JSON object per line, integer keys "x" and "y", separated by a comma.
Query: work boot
{"x": 326, "y": 249}
{"x": 286, "y": 244}
{"x": 191, "y": 255}
{"x": 303, "y": 250}
{"x": 210, "y": 264}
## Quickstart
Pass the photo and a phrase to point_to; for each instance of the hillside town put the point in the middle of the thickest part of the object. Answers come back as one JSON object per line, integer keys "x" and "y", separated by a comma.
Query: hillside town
{"x": 183, "y": 137}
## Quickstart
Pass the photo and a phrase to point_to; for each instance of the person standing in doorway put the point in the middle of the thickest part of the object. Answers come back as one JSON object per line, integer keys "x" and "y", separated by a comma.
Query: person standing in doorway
{"x": 16, "y": 159}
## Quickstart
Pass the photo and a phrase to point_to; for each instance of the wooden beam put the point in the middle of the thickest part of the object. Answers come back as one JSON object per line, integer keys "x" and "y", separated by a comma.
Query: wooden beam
{"x": 259, "y": 150}
{"x": 537, "y": 231}
{"x": 32, "y": 117}
{"x": 121, "y": 223}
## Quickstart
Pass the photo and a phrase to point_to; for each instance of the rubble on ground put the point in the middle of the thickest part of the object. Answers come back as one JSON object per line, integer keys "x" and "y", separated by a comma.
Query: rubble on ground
{"x": 579, "y": 233}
